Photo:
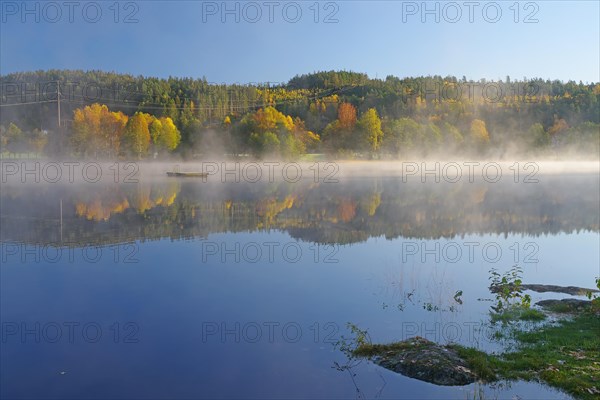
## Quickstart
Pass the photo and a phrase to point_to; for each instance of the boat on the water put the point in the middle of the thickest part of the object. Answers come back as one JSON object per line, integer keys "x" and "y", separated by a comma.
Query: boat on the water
{"x": 188, "y": 174}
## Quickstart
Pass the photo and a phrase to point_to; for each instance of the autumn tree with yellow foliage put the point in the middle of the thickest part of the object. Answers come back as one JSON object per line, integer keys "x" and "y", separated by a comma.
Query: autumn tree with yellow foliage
{"x": 329, "y": 103}
{"x": 164, "y": 134}
{"x": 97, "y": 131}
{"x": 136, "y": 138}
{"x": 370, "y": 129}
{"x": 478, "y": 134}
{"x": 100, "y": 133}
{"x": 268, "y": 131}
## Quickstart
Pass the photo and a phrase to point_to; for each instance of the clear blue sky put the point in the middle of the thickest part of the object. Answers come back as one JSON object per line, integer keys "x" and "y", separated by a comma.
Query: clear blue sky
{"x": 381, "y": 38}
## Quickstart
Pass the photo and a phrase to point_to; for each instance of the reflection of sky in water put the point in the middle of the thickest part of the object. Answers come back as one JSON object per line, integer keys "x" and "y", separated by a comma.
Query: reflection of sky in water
{"x": 176, "y": 291}
{"x": 181, "y": 292}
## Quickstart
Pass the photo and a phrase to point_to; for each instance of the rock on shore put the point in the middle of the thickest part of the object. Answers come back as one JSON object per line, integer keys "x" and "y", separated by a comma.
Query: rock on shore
{"x": 424, "y": 360}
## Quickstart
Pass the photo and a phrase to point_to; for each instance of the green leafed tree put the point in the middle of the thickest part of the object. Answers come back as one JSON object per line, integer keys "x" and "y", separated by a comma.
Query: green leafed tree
{"x": 37, "y": 140}
{"x": 451, "y": 134}
{"x": 291, "y": 146}
{"x": 400, "y": 136}
{"x": 429, "y": 138}
{"x": 15, "y": 139}
{"x": 265, "y": 142}
{"x": 537, "y": 136}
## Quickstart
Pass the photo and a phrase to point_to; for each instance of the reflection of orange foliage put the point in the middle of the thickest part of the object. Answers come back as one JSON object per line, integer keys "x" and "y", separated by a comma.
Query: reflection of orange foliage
{"x": 161, "y": 201}
{"x": 347, "y": 209}
{"x": 120, "y": 207}
{"x": 80, "y": 209}
{"x": 419, "y": 217}
{"x": 141, "y": 198}
{"x": 143, "y": 204}
{"x": 170, "y": 200}
{"x": 96, "y": 211}
{"x": 478, "y": 195}
{"x": 270, "y": 207}
{"x": 373, "y": 203}
{"x": 162, "y": 195}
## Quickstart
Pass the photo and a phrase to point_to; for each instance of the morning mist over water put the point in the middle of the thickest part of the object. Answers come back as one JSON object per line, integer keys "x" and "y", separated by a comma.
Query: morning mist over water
{"x": 328, "y": 200}
{"x": 388, "y": 247}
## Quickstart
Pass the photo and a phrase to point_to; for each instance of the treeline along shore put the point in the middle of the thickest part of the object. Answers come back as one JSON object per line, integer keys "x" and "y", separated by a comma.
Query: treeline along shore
{"x": 339, "y": 114}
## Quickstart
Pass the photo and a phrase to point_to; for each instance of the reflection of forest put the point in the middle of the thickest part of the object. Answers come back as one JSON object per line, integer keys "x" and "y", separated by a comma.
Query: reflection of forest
{"x": 345, "y": 212}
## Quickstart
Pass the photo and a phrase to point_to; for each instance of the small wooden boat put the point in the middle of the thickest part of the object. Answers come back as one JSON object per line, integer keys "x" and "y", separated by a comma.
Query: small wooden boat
{"x": 188, "y": 174}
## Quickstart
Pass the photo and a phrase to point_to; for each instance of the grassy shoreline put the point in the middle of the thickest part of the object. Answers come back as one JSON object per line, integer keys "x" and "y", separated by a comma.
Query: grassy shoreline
{"x": 565, "y": 355}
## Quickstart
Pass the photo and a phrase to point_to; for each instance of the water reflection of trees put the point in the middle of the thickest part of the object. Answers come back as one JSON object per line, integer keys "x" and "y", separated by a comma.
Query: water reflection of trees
{"x": 345, "y": 212}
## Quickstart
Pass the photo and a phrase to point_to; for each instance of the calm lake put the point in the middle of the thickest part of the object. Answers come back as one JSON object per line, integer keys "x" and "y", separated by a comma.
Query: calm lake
{"x": 157, "y": 287}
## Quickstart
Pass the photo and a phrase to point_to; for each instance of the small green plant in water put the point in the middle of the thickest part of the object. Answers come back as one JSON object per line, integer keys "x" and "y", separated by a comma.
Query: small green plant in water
{"x": 457, "y": 296}
{"x": 565, "y": 355}
{"x": 511, "y": 303}
{"x": 595, "y": 298}
{"x": 430, "y": 307}
{"x": 349, "y": 345}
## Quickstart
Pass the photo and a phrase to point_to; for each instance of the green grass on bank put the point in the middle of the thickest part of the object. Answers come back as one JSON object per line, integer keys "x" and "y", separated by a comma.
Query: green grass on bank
{"x": 565, "y": 356}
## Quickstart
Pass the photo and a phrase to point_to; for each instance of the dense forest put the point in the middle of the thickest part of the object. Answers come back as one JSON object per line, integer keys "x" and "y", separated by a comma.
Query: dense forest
{"x": 342, "y": 114}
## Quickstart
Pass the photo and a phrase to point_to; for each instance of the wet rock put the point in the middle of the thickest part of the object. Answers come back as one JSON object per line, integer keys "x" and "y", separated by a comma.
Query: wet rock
{"x": 424, "y": 360}
{"x": 572, "y": 290}
{"x": 564, "y": 305}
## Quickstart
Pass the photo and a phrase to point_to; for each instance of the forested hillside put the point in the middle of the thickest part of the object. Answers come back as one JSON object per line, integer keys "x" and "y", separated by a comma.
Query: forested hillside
{"x": 342, "y": 114}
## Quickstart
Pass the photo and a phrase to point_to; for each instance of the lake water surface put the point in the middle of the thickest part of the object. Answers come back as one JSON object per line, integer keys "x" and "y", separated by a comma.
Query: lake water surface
{"x": 184, "y": 288}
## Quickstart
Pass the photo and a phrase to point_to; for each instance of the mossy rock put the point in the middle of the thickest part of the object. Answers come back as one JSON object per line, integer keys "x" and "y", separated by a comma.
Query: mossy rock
{"x": 572, "y": 290}
{"x": 565, "y": 305}
{"x": 421, "y": 359}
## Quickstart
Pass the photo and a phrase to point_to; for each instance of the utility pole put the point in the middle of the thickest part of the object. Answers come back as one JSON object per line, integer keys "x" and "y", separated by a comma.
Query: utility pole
{"x": 58, "y": 101}
{"x": 61, "y": 221}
